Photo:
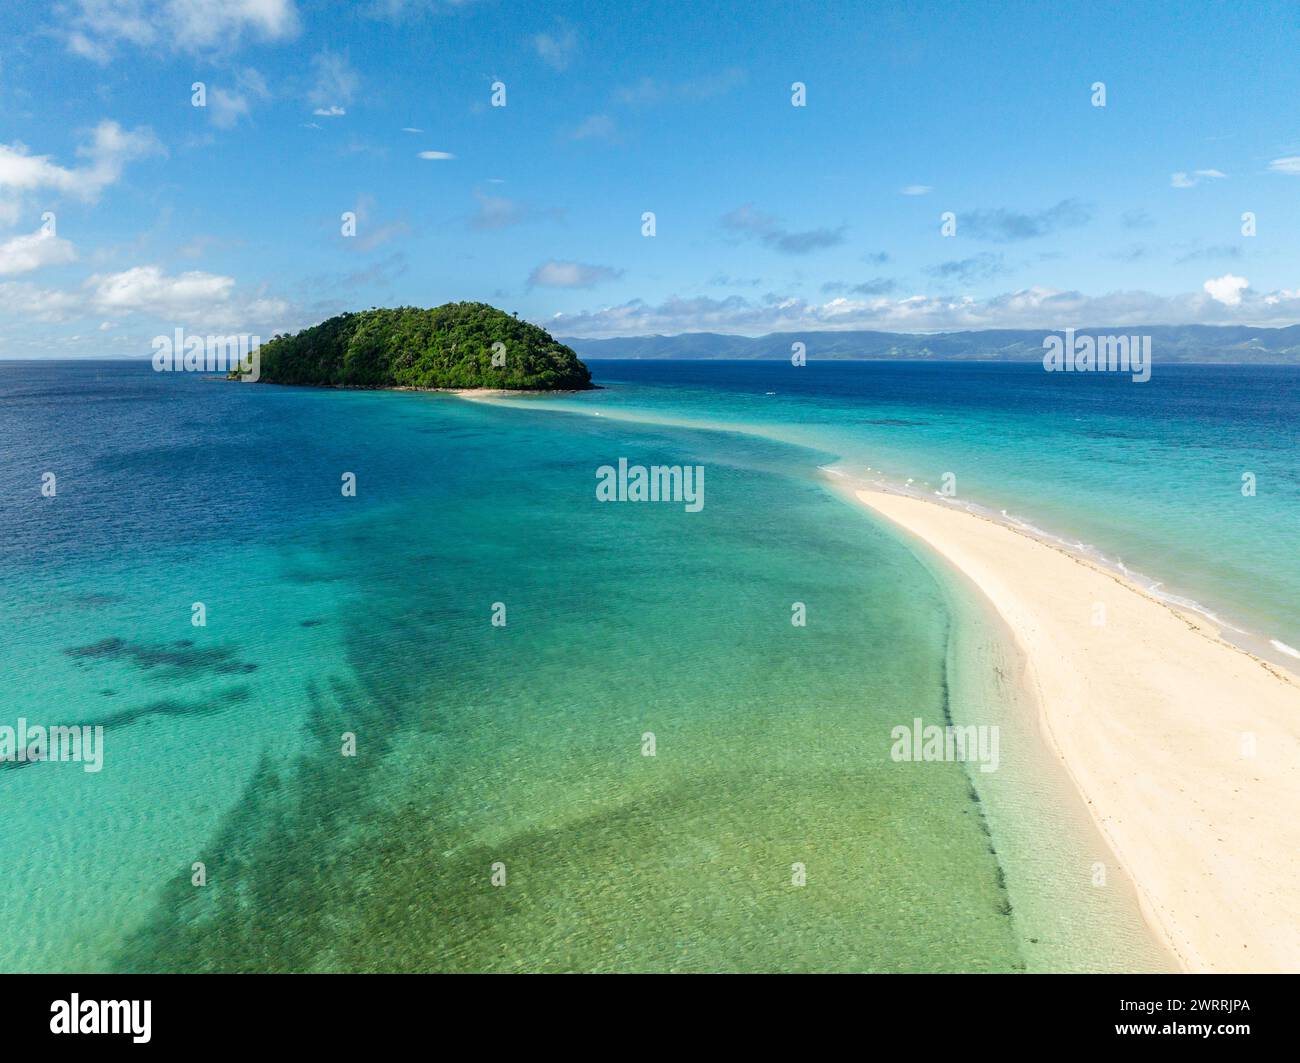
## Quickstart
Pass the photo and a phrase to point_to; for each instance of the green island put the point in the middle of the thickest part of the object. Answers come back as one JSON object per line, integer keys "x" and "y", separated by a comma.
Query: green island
{"x": 456, "y": 345}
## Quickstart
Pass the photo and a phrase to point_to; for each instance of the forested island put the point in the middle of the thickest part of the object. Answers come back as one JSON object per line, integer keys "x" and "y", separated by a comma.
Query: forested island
{"x": 456, "y": 345}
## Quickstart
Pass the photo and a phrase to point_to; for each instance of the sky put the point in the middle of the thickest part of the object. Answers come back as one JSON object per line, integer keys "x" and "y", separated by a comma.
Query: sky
{"x": 126, "y": 211}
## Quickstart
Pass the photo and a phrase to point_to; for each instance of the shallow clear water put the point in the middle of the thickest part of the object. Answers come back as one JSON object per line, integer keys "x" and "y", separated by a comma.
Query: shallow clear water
{"x": 1146, "y": 474}
{"x": 520, "y": 745}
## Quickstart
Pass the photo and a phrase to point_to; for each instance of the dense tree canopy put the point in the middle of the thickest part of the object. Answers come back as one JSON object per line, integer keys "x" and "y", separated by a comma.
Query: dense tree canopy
{"x": 449, "y": 346}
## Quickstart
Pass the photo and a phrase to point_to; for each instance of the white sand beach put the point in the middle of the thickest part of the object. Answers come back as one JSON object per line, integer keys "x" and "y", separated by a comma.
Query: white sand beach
{"x": 1185, "y": 748}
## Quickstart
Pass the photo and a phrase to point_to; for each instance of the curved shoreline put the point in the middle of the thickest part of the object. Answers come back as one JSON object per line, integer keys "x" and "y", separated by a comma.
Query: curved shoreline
{"x": 1151, "y": 715}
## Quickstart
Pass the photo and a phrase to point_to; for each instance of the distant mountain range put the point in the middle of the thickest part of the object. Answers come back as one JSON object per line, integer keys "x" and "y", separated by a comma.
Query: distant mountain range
{"x": 1169, "y": 343}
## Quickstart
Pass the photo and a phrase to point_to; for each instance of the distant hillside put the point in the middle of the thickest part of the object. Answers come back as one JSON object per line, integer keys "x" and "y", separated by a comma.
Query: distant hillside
{"x": 1170, "y": 343}
{"x": 449, "y": 346}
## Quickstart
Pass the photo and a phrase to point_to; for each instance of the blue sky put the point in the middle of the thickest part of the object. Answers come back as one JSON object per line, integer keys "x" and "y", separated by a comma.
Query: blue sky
{"x": 769, "y": 217}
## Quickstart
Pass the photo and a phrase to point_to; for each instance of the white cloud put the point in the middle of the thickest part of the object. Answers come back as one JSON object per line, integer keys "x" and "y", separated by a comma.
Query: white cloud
{"x": 750, "y": 222}
{"x": 1182, "y": 179}
{"x": 208, "y": 23}
{"x": 23, "y": 172}
{"x": 332, "y": 111}
{"x": 336, "y": 83}
{"x": 194, "y": 299}
{"x": 30, "y": 303}
{"x": 148, "y": 289}
{"x": 111, "y": 148}
{"x": 915, "y": 190}
{"x": 79, "y": 44}
{"x": 1290, "y": 164}
{"x": 22, "y": 254}
{"x": 557, "y": 49}
{"x": 555, "y": 274}
{"x": 1027, "y": 308}
{"x": 228, "y": 106}
{"x": 108, "y": 151}
{"x": 371, "y": 231}
{"x": 1226, "y": 289}
{"x": 95, "y": 29}
{"x": 501, "y": 212}
{"x": 436, "y": 155}
{"x": 598, "y": 125}
{"x": 649, "y": 92}
{"x": 496, "y": 212}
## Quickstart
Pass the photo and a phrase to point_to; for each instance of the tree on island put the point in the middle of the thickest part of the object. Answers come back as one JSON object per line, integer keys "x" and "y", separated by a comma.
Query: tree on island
{"x": 456, "y": 345}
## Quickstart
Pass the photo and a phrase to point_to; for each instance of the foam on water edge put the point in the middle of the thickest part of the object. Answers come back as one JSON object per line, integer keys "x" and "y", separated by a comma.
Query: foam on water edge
{"x": 1263, "y": 646}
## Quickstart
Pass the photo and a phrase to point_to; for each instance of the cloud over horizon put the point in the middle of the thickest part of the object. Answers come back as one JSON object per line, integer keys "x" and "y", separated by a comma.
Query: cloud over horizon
{"x": 1222, "y": 301}
{"x": 195, "y": 300}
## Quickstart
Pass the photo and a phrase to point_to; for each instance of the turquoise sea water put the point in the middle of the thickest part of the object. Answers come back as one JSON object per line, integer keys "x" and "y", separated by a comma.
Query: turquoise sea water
{"x": 519, "y": 749}
{"x": 1147, "y": 475}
